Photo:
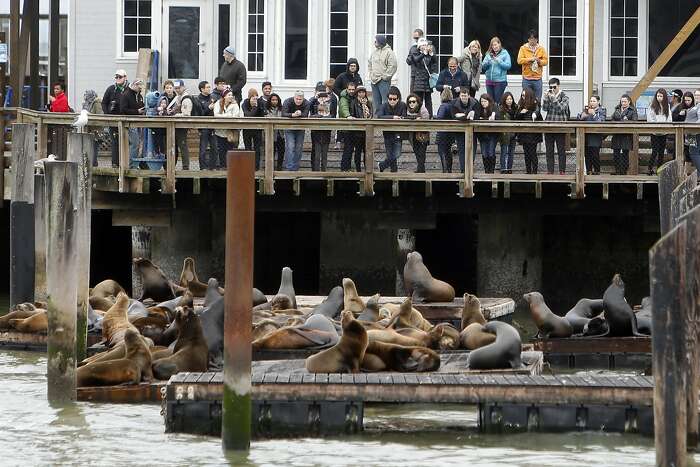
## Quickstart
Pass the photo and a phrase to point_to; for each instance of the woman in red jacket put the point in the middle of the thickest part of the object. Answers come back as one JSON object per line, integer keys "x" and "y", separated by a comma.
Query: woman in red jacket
{"x": 59, "y": 102}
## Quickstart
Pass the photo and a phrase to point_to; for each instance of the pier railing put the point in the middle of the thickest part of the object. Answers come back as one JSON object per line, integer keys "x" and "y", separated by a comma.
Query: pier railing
{"x": 371, "y": 131}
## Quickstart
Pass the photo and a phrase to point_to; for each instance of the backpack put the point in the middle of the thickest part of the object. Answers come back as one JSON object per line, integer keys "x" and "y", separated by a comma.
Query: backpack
{"x": 196, "y": 106}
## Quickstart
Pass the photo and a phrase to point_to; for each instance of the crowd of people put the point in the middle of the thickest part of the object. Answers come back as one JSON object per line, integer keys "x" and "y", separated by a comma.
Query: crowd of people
{"x": 462, "y": 98}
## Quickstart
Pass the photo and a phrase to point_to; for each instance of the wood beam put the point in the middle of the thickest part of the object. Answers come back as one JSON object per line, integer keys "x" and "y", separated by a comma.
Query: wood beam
{"x": 32, "y": 22}
{"x": 668, "y": 53}
{"x": 54, "y": 40}
{"x": 18, "y": 68}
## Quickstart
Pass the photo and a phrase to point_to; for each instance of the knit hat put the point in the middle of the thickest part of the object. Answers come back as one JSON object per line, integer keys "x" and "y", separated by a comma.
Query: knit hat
{"x": 226, "y": 92}
{"x": 120, "y": 72}
{"x": 230, "y": 50}
{"x": 381, "y": 40}
{"x": 678, "y": 93}
{"x": 361, "y": 88}
{"x": 320, "y": 87}
{"x": 298, "y": 92}
{"x": 178, "y": 82}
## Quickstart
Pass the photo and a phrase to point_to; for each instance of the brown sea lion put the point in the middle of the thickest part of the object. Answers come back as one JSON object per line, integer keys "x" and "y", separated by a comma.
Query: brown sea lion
{"x": 405, "y": 316}
{"x": 115, "y": 322}
{"x": 318, "y": 332}
{"x": 191, "y": 352}
{"x": 107, "y": 289}
{"x": 548, "y": 324}
{"x": 100, "y": 303}
{"x": 391, "y": 357}
{"x": 37, "y": 323}
{"x": 371, "y": 311}
{"x": 155, "y": 284}
{"x": 471, "y": 311}
{"x": 391, "y": 336}
{"x": 134, "y": 367}
{"x": 22, "y": 313}
{"x": 281, "y": 302}
{"x": 351, "y": 299}
{"x": 475, "y": 336}
{"x": 189, "y": 279}
{"x": 504, "y": 352}
{"x": 584, "y": 310}
{"x": 420, "y": 284}
{"x": 263, "y": 328}
{"x": 442, "y": 336}
{"x": 346, "y": 356}
{"x": 152, "y": 327}
{"x": 115, "y": 353}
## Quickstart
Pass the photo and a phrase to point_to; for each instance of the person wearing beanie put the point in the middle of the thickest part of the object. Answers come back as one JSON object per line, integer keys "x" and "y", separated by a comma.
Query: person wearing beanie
{"x": 351, "y": 75}
{"x": 233, "y": 71}
{"x": 382, "y": 67}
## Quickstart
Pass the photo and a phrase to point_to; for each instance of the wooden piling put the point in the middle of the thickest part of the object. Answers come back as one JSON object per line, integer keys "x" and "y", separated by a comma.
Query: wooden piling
{"x": 690, "y": 312}
{"x": 81, "y": 150}
{"x": 678, "y": 196}
{"x": 140, "y": 248}
{"x": 39, "y": 238}
{"x": 668, "y": 181}
{"x": 62, "y": 277}
{"x": 22, "y": 215}
{"x": 469, "y": 162}
{"x": 238, "y": 301}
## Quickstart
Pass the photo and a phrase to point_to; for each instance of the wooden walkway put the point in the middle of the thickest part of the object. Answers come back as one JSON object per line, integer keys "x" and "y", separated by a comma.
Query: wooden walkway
{"x": 14, "y": 340}
{"x": 611, "y": 353}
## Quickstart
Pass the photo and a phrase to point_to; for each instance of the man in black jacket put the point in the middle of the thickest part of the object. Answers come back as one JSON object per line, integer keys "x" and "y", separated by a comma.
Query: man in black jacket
{"x": 110, "y": 106}
{"x": 294, "y": 107}
{"x": 207, "y": 139}
{"x": 131, "y": 103}
{"x": 351, "y": 75}
{"x": 234, "y": 72}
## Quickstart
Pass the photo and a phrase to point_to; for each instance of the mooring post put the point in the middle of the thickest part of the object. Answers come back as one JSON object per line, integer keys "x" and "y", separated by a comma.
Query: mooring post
{"x": 81, "y": 150}
{"x": 690, "y": 306}
{"x": 22, "y": 215}
{"x": 61, "y": 277}
{"x": 39, "y": 237}
{"x": 140, "y": 248}
{"x": 238, "y": 300}
{"x": 668, "y": 181}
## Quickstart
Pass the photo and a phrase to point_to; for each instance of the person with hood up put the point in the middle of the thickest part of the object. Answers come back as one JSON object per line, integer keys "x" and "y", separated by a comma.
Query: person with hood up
{"x": 351, "y": 75}
{"x": 234, "y": 72}
{"x": 322, "y": 105}
{"x": 382, "y": 67}
{"x": 347, "y": 108}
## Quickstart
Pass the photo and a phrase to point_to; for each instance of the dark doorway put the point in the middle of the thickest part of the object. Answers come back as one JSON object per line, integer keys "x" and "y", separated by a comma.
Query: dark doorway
{"x": 110, "y": 251}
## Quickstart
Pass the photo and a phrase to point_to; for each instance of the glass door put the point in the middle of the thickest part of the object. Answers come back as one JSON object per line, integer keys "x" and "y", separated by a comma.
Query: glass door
{"x": 186, "y": 42}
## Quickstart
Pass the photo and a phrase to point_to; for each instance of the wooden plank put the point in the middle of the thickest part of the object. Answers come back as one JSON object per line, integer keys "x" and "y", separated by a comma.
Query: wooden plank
{"x": 468, "y": 162}
{"x": 580, "y": 162}
{"x": 368, "y": 186}
{"x": 42, "y": 140}
{"x": 123, "y": 138}
{"x": 684, "y": 188}
{"x": 663, "y": 59}
{"x": 634, "y": 155}
{"x": 587, "y": 345}
{"x": 690, "y": 305}
{"x": 269, "y": 183}
{"x": 143, "y": 65}
{"x": 678, "y": 145}
{"x": 169, "y": 183}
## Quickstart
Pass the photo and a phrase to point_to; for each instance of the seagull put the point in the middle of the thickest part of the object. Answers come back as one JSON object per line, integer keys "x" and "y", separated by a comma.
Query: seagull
{"x": 39, "y": 165}
{"x": 81, "y": 121}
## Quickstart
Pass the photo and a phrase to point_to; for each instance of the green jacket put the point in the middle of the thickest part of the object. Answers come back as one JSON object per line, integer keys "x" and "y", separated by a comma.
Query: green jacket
{"x": 344, "y": 105}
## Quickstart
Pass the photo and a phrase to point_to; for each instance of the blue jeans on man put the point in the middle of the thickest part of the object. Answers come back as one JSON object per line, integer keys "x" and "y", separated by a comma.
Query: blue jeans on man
{"x": 293, "y": 149}
{"x": 134, "y": 141}
{"x": 380, "y": 93}
{"x": 392, "y": 144}
{"x": 535, "y": 85}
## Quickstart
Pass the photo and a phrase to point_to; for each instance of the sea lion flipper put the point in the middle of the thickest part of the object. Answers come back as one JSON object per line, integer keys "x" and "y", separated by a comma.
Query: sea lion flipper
{"x": 312, "y": 336}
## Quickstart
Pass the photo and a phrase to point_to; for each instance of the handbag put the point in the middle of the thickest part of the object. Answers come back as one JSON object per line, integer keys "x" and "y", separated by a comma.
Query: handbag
{"x": 232, "y": 136}
{"x": 422, "y": 136}
{"x": 432, "y": 81}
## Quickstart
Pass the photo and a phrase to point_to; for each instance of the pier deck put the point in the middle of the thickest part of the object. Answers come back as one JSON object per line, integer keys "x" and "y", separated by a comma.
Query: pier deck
{"x": 596, "y": 352}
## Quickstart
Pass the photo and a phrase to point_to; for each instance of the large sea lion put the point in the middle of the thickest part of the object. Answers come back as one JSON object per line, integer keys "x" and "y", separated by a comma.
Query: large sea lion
{"x": 37, "y": 323}
{"x": 115, "y": 322}
{"x": 318, "y": 332}
{"x": 346, "y": 356}
{"x": 473, "y": 334}
{"x": 420, "y": 284}
{"x": 332, "y": 305}
{"x": 262, "y": 328}
{"x": 596, "y": 327}
{"x": 351, "y": 299}
{"x": 116, "y": 352}
{"x": 287, "y": 285}
{"x": 390, "y": 336}
{"x": 471, "y": 311}
{"x": 99, "y": 303}
{"x": 644, "y": 316}
{"x": 442, "y": 336}
{"x": 548, "y": 324}
{"x": 504, "y": 352}
{"x": 391, "y": 357}
{"x": 155, "y": 284}
{"x": 107, "y": 289}
{"x": 582, "y": 312}
{"x": 213, "y": 292}
{"x": 405, "y": 316}
{"x": 371, "y": 312}
{"x": 622, "y": 321}
{"x": 189, "y": 279}
{"x": 135, "y": 366}
{"x": 191, "y": 352}
{"x": 22, "y": 312}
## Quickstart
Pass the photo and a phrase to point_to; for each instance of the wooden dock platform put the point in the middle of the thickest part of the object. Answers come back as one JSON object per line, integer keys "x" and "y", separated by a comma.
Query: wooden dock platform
{"x": 596, "y": 352}
{"x": 14, "y": 340}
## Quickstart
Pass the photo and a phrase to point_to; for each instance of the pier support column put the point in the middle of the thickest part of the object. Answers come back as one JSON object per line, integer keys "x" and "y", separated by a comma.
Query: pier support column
{"x": 39, "y": 238}
{"x": 140, "y": 248}
{"x": 405, "y": 243}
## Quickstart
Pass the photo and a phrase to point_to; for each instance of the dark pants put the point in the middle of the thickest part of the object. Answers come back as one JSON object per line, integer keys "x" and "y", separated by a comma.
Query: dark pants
{"x": 444, "y": 144}
{"x": 593, "y": 160}
{"x": 550, "y": 139}
{"x": 320, "y": 140}
{"x": 531, "y": 163}
{"x": 354, "y": 143}
{"x": 207, "y": 144}
{"x": 488, "y": 151}
{"x": 279, "y": 151}
{"x": 181, "y": 147}
{"x": 114, "y": 136}
{"x": 507, "y": 151}
{"x": 419, "y": 149}
{"x": 224, "y": 147}
{"x": 658, "y": 148}
{"x": 252, "y": 139}
{"x": 496, "y": 91}
{"x": 159, "y": 141}
{"x": 622, "y": 161}
{"x": 427, "y": 99}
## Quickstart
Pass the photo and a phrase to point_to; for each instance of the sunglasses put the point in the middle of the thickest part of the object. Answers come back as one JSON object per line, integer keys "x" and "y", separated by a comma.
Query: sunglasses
{"x": 552, "y": 87}
{"x": 412, "y": 102}
{"x": 118, "y": 77}
{"x": 392, "y": 99}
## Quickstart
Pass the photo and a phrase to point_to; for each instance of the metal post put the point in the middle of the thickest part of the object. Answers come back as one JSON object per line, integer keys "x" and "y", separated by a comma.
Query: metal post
{"x": 238, "y": 301}
{"x": 62, "y": 277}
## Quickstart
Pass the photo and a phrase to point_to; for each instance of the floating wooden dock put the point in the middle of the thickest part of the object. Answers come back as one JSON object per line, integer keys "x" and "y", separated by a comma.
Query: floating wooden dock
{"x": 596, "y": 352}
{"x": 14, "y": 340}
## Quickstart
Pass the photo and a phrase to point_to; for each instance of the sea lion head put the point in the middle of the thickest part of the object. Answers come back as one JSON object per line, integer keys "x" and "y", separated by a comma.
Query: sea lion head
{"x": 595, "y": 327}
{"x": 26, "y": 307}
{"x": 533, "y": 298}
{"x": 346, "y": 317}
{"x": 471, "y": 311}
{"x": 183, "y": 316}
{"x": 448, "y": 336}
{"x": 131, "y": 337}
{"x": 425, "y": 359}
{"x": 414, "y": 256}
{"x": 617, "y": 280}
{"x": 212, "y": 283}
{"x": 122, "y": 300}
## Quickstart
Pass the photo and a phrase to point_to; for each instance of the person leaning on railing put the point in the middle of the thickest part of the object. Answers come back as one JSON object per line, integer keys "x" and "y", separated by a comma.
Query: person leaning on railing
{"x": 464, "y": 108}
{"x": 486, "y": 111}
{"x": 273, "y": 109}
{"x": 110, "y": 106}
{"x": 419, "y": 139}
{"x": 556, "y": 104}
{"x": 93, "y": 104}
{"x": 593, "y": 112}
{"x": 693, "y": 116}
{"x": 394, "y": 109}
{"x": 529, "y": 111}
{"x": 322, "y": 105}
{"x": 207, "y": 139}
{"x": 253, "y": 139}
{"x": 131, "y": 103}
{"x": 625, "y": 111}
{"x": 294, "y": 107}
{"x": 227, "y": 139}
{"x": 679, "y": 114}
{"x": 659, "y": 111}
{"x": 507, "y": 110}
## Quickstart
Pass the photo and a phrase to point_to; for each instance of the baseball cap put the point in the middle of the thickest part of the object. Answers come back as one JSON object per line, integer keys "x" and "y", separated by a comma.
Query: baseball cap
{"x": 120, "y": 72}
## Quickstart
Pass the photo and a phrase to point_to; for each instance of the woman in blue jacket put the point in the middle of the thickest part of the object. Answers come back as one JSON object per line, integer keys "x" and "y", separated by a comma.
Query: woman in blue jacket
{"x": 495, "y": 66}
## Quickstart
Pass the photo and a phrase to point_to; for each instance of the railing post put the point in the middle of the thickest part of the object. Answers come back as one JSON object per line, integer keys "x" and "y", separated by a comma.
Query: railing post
{"x": 269, "y": 181}
{"x": 580, "y": 161}
{"x": 680, "y": 157}
{"x": 42, "y": 140}
{"x": 369, "y": 161}
{"x": 469, "y": 161}
{"x": 123, "y": 150}
{"x": 634, "y": 155}
{"x": 169, "y": 186}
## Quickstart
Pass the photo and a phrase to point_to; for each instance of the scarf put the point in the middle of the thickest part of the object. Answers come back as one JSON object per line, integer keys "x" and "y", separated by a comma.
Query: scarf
{"x": 365, "y": 108}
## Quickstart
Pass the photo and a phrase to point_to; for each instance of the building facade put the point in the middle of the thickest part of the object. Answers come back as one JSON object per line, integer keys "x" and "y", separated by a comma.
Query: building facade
{"x": 296, "y": 43}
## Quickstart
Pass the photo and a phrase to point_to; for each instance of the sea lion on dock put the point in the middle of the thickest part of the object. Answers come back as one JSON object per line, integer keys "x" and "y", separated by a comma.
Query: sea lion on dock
{"x": 582, "y": 312}
{"x": 280, "y": 303}
{"x": 287, "y": 285}
{"x": 596, "y": 327}
{"x": 421, "y": 285}
{"x": 644, "y": 316}
{"x": 390, "y": 336}
{"x": 471, "y": 311}
{"x": 391, "y": 357}
{"x": 189, "y": 279}
{"x": 548, "y": 324}
{"x": 318, "y": 332}
{"x": 351, "y": 299}
{"x": 155, "y": 284}
{"x": 346, "y": 356}
{"x": 37, "y": 323}
{"x": 115, "y": 322}
{"x": 622, "y": 322}
{"x": 107, "y": 289}
{"x": 99, "y": 303}
{"x": 473, "y": 335}
{"x": 504, "y": 352}
{"x": 214, "y": 291}
{"x": 191, "y": 352}
{"x": 442, "y": 336}
{"x": 332, "y": 305}
{"x": 115, "y": 353}
{"x": 20, "y": 313}
{"x": 371, "y": 312}
{"x": 263, "y": 327}
{"x": 405, "y": 316}
{"x": 134, "y": 367}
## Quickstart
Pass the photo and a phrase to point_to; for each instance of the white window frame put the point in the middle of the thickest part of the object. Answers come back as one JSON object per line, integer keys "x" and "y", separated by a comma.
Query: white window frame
{"x": 375, "y": 14}
{"x": 349, "y": 31}
{"x": 580, "y": 41}
{"x": 642, "y": 43}
{"x": 310, "y": 42}
{"x": 156, "y": 22}
{"x": 457, "y": 29}
{"x": 266, "y": 33}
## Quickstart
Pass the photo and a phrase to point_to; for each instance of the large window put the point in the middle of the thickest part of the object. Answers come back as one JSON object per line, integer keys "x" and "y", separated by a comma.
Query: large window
{"x": 296, "y": 39}
{"x": 385, "y": 20}
{"x": 224, "y": 30}
{"x": 624, "y": 37}
{"x": 339, "y": 37}
{"x": 562, "y": 37}
{"x": 137, "y": 25}
{"x": 256, "y": 35}
{"x": 666, "y": 18}
{"x": 509, "y": 20}
{"x": 439, "y": 21}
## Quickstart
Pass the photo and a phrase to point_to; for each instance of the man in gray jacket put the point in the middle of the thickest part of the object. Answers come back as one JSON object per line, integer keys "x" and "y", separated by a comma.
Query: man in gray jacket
{"x": 382, "y": 67}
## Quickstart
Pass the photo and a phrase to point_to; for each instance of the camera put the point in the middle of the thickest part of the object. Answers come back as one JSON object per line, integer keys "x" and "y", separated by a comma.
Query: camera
{"x": 322, "y": 94}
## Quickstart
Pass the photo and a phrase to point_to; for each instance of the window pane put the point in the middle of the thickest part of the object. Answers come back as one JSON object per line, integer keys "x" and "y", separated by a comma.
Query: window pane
{"x": 144, "y": 26}
{"x": 339, "y": 20}
{"x": 336, "y": 70}
{"x": 570, "y": 27}
{"x": 668, "y": 17}
{"x": 631, "y": 28}
{"x": 631, "y": 8}
{"x": 339, "y": 37}
{"x": 617, "y": 8}
{"x": 251, "y": 43}
{"x": 446, "y": 25}
{"x": 433, "y": 7}
{"x": 380, "y": 26}
{"x": 446, "y": 7}
{"x": 631, "y": 47}
{"x": 555, "y": 66}
{"x": 130, "y": 25}
{"x": 339, "y": 5}
{"x": 130, "y": 44}
{"x": 556, "y": 46}
{"x": 261, "y": 24}
{"x": 569, "y": 7}
{"x": 339, "y": 55}
{"x": 261, "y": 6}
{"x": 570, "y": 47}
{"x": 631, "y": 67}
{"x": 556, "y": 27}
{"x": 432, "y": 25}
{"x": 183, "y": 39}
{"x": 224, "y": 24}
{"x": 556, "y": 8}
{"x": 390, "y": 6}
{"x": 381, "y": 7}
{"x": 251, "y": 6}
{"x": 569, "y": 67}
{"x": 616, "y": 66}
{"x": 390, "y": 24}
{"x": 144, "y": 42}
{"x": 296, "y": 31}
{"x": 259, "y": 62}
{"x": 617, "y": 47}
{"x": 617, "y": 27}
{"x": 145, "y": 8}
{"x": 252, "y": 24}
{"x": 130, "y": 8}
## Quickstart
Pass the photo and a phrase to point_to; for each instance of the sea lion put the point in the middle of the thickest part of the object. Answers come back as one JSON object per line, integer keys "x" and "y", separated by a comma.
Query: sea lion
{"x": 548, "y": 324}
{"x": 346, "y": 356}
{"x": 351, "y": 299}
{"x": 596, "y": 327}
{"x": 475, "y": 336}
{"x": 264, "y": 328}
{"x": 405, "y": 316}
{"x": 37, "y": 323}
{"x": 371, "y": 311}
{"x": 471, "y": 311}
{"x": 644, "y": 316}
{"x": 287, "y": 286}
{"x": 189, "y": 279}
{"x": 134, "y": 367}
{"x": 332, "y": 305}
{"x": 191, "y": 352}
{"x": 115, "y": 322}
{"x": 318, "y": 332}
{"x": 582, "y": 312}
{"x": 442, "y": 336}
{"x": 136, "y": 310}
{"x": 115, "y": 353}
{"x": 622, "y": 321}
{"x": 420, "y": 284}
{"x": 152, "y": 327}
{"x": 106, "y": 289}
{"x": 155, "y": 284}
{"x": 391, "y": 357}
{"x": 390, "y": 336}
{"x": 213, "y": 292}
{"x": 258, "y": 297}
{"x": 20, "y": 313}
{"x": 99, "y": 303}
{"x": 504, "y": 352}
{"x": 281, "y": 302}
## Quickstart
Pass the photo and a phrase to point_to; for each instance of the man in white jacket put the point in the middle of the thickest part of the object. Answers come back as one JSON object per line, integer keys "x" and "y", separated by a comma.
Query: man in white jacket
{"x": 181, "y": 106}
{"x": 382, "y": 67}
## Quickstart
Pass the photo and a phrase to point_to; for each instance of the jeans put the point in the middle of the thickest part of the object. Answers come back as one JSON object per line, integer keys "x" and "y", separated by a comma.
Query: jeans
{"x": 320, "y": 141}
{"x": 181, "y": 147}
{"x": 550, "y": 139}
{"x": 380, "y": 92}
{"x": 658, "y": 148}
{"x": 114, "y": 136}
{"x": 252, "y": 139}
{"x": 353, "y": 143}
{"x": 622, "y": 161}
{"x": 294, "y": 147}
{"x": 507, "y": 151}
{"x": 279, "y": 151}
{"x": 207, "y": 143}
{"x": 461, "y": 148}
{"x": 419, "y": 149}
{"x": 535, "y": 85}
{"x": 444, "y": 144}
{"x": 496, "y": 91}
{"x": 223, "y": 146}
{"x": 488, "y": 151}
{"x": 392, "y": 144}
{"x": 134, "y": 140}
{"x": 694, "y": 152}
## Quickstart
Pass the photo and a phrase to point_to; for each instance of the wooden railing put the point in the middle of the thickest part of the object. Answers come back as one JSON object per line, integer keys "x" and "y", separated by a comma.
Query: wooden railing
{"x": 577, "y": 132}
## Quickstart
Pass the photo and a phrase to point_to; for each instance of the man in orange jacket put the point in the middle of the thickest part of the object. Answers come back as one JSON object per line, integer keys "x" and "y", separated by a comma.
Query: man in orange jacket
{"x": 532, "y": 57}
{"x": 58, "y": 102}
